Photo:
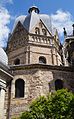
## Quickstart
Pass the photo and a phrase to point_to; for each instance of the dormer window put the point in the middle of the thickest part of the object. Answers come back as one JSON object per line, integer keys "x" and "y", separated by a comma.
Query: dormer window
{"x": 44, "y": 32}
{"x": 37, "y": 30}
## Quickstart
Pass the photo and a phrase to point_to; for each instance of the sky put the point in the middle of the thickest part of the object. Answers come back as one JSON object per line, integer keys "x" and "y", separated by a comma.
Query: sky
{"x": 61, "y": 12}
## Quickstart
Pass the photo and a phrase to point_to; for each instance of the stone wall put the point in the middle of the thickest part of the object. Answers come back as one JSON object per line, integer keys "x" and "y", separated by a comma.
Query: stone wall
{"x": 36, "y": 52}
{"x": 39, "y": 80}
{"x": 36, "y": 84}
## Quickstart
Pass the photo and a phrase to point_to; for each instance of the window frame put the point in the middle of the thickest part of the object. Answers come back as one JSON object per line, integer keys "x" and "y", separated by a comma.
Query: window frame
{"x": 59, "y": 84}
{"x": 19, "y": 88}
{"x": 17, "y": 61}
{"x": 42, "y": 60}
{"x": 44, "y": 32}
{"x": 37, "y": 31}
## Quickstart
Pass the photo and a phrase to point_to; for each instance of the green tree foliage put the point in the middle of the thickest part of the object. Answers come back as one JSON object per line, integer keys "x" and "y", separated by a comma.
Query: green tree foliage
{"x": 58, "y": 105}
{"x": 26, "y": 115}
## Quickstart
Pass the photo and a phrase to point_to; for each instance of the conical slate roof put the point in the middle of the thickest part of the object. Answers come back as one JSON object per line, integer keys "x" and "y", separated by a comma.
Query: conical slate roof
{"x": 32, "y": 19}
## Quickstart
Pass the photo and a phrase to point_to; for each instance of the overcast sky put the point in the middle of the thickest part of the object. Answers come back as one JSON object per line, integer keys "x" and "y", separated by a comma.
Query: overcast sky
{"x": 61, "y": 12}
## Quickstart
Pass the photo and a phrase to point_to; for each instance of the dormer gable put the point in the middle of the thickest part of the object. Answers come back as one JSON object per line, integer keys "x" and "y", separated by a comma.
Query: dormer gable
{"x": 41, "y": 29}
{"x": 19, "y": 29}
{"x": 18, "y": 38}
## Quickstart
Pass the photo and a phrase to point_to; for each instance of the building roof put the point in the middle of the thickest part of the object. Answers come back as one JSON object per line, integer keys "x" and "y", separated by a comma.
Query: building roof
{"x": 32, "y": 19}
{"x": 3, "y": 57}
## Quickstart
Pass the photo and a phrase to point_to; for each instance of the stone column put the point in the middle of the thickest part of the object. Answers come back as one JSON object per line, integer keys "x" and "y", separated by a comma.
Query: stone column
{"x": 2, "y": 97}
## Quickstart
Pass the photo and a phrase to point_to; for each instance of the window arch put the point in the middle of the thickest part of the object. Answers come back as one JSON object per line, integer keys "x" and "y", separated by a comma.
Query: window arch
{"x": 58, "y": 84}
{"x": 17, "y": 61}
{"x": 42, "y": 60}
{"x": 19, "y": 88}
{"x": 44, "y": 32}
{"x": 37, "y": 30}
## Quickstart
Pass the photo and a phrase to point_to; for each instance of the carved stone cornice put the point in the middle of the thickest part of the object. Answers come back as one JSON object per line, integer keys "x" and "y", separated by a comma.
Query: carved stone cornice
{"x": 41, "y": 66}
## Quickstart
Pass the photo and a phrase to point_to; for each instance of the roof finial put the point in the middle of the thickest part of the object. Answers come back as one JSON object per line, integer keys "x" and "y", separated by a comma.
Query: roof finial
{"x": 65, "y": 33}
{"x": 33, "y": 8}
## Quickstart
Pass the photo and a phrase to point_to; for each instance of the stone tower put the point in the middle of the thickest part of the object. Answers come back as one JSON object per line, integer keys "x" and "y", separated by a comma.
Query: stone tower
{"x": 35, "y": 59}
{"x": 32, "y": 41}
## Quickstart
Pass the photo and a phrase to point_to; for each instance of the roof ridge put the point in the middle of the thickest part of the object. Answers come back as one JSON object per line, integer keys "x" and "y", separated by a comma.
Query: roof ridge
{"x": 34, "y": 20}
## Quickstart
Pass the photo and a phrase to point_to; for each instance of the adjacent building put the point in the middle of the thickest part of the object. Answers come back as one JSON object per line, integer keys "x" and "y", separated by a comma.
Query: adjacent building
{"x": 5, "y": 80}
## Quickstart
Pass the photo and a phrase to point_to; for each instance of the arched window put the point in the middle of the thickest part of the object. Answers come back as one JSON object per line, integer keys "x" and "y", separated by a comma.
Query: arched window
{"x": 19, "y": 88}
{"x": 42, "y": 60}
{"x": 44, "y": 32}
{"x": 17, "y": 61}
{"x": 37, "y": 30}
{"x": 58, "y": 84}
